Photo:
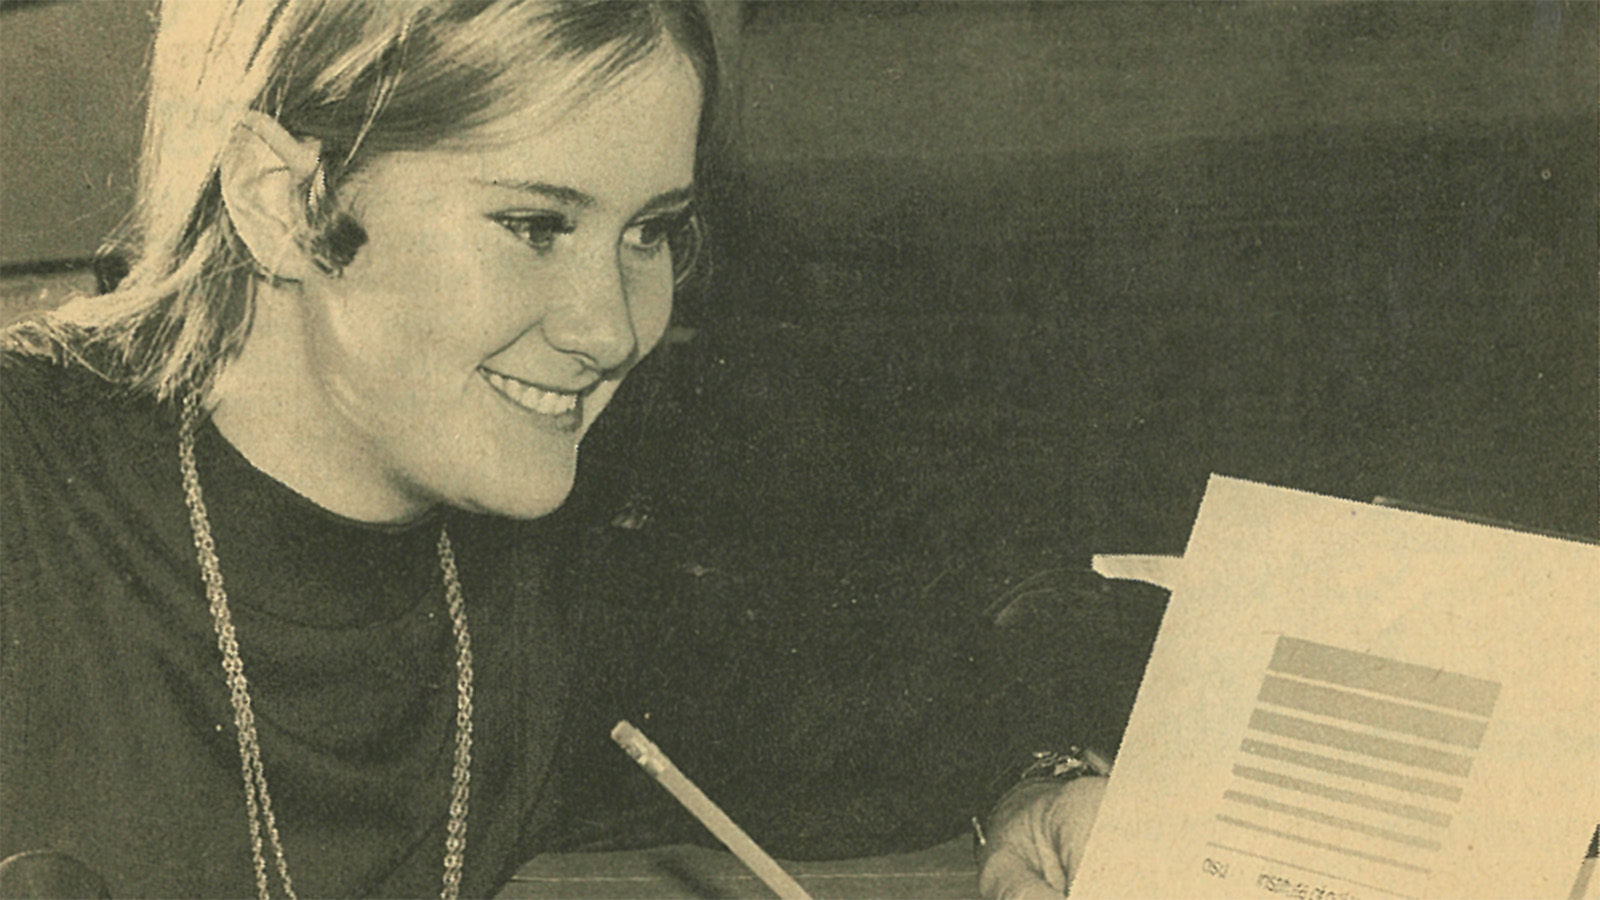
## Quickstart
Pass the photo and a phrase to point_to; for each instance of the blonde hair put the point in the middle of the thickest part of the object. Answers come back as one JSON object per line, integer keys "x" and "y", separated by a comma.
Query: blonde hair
{"x": 363, "y": 77}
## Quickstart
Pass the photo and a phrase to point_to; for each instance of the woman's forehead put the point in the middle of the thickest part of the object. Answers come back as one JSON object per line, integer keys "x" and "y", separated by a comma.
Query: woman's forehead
{"x": 548, "y": 95}
{"x": 620, "y": 143}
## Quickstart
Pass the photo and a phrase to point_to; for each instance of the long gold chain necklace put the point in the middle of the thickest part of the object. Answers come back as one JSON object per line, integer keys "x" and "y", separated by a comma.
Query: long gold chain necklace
{"x": 258, "y": 802}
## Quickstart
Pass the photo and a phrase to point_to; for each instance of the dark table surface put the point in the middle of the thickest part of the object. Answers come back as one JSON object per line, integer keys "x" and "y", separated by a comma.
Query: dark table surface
{"x": 944, "y": 872}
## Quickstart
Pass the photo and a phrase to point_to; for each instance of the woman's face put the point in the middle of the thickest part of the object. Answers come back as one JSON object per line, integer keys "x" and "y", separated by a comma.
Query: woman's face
{"x": 501, "y": 297}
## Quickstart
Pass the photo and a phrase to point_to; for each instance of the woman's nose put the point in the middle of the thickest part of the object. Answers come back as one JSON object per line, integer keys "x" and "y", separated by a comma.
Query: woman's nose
{"x": 590, "y": 318}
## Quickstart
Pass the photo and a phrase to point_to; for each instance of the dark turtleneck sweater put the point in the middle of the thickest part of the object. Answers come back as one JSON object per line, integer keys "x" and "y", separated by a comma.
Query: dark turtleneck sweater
{"x": 839, "y": 729}
{"x": 117, "y": 743}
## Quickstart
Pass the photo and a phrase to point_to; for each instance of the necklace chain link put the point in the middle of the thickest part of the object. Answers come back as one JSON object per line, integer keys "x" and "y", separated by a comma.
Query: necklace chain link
{"x": 257, "y": 799}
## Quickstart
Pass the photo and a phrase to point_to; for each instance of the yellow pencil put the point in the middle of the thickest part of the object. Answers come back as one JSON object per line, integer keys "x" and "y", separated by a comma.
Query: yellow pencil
{"x": 649, "y": 756}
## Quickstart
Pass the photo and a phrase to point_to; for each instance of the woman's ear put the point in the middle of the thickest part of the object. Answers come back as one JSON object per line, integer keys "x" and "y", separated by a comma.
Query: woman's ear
{"x": 264, "y": 170}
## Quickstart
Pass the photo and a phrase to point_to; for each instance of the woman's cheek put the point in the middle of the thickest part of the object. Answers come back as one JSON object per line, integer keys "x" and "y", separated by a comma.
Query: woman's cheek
{"x": 596, "y": 403}
{"x": 652, "y": 311}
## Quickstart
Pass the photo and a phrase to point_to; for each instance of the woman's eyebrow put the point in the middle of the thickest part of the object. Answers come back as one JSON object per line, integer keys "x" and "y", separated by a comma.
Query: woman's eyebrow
{"x": 556, "y": 192}
{"x": 574, "y": 197}
{"x": 669, "y": 199}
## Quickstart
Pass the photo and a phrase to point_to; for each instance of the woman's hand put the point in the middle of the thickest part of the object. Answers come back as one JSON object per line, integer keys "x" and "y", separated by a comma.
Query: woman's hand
{"x": 1036, "y": 837}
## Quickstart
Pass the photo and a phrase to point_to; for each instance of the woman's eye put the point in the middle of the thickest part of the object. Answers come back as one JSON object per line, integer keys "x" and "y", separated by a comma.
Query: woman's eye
{"x": 537, "y": 230}
{"x": 653, "y": 235}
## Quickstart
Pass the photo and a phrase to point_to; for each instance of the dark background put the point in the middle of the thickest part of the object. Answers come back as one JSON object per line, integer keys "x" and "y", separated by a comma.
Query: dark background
{"x": 1075, "y": 256}
{"x": 996, "y": 286}
{"x": 1029, "y": 272}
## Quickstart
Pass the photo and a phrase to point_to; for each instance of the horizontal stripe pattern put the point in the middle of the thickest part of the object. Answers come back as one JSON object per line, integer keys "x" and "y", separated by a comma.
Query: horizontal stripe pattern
{"x": 1411, "y": 784}
{"x": 1341, "y": 795}
{"x": 1359, "y": 742}
{"x": 1323, "y": 845}
{"x": 1400, "y": 718}
{"x": 1353, "y": 763}
{"x": 1322, "y": 818}
{"x": 1380, "y": 675}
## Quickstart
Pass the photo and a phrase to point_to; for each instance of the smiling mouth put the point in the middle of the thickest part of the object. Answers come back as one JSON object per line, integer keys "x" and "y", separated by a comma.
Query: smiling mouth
{"x": 531, "y": 397}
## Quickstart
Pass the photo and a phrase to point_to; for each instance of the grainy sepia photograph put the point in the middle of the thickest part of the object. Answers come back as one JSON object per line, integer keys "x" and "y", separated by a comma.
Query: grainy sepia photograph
{"x": 766, "y": 448}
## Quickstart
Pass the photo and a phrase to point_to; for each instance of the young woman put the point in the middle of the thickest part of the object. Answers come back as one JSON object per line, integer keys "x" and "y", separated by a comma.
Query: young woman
{"x": 274, "y": 607}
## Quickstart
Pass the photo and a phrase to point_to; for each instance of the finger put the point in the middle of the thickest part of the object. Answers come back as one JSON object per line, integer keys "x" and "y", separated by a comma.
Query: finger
{"x": 1045, "y": 850}
{"x": 1024, "y": 822}
{"x": 1072, "y": 816}
{"x": 1098, "y": 764}
{"x": 1008, "y": 876}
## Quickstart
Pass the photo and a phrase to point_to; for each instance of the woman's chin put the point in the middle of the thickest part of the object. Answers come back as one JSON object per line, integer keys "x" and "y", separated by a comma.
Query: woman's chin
{"x": 514, "y": 485}
{"x": 525, "y": 505}
{"x": 512, "y": 492}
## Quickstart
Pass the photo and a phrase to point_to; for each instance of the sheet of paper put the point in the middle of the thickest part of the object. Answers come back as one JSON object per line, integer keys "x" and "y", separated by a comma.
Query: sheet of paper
{"x": 1347, "y": 700}
{"x": 1161, "y": 571}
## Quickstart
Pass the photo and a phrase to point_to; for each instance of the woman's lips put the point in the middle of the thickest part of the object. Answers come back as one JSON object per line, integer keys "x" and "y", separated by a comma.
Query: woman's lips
{"x": 559, "y": 405}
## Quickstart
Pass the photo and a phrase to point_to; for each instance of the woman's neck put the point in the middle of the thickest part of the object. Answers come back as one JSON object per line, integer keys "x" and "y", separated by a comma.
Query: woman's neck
{"x": 264, "y": 405}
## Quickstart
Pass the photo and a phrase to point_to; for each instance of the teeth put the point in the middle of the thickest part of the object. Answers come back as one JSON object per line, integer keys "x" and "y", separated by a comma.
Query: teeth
{"x": 533, "y": 399}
